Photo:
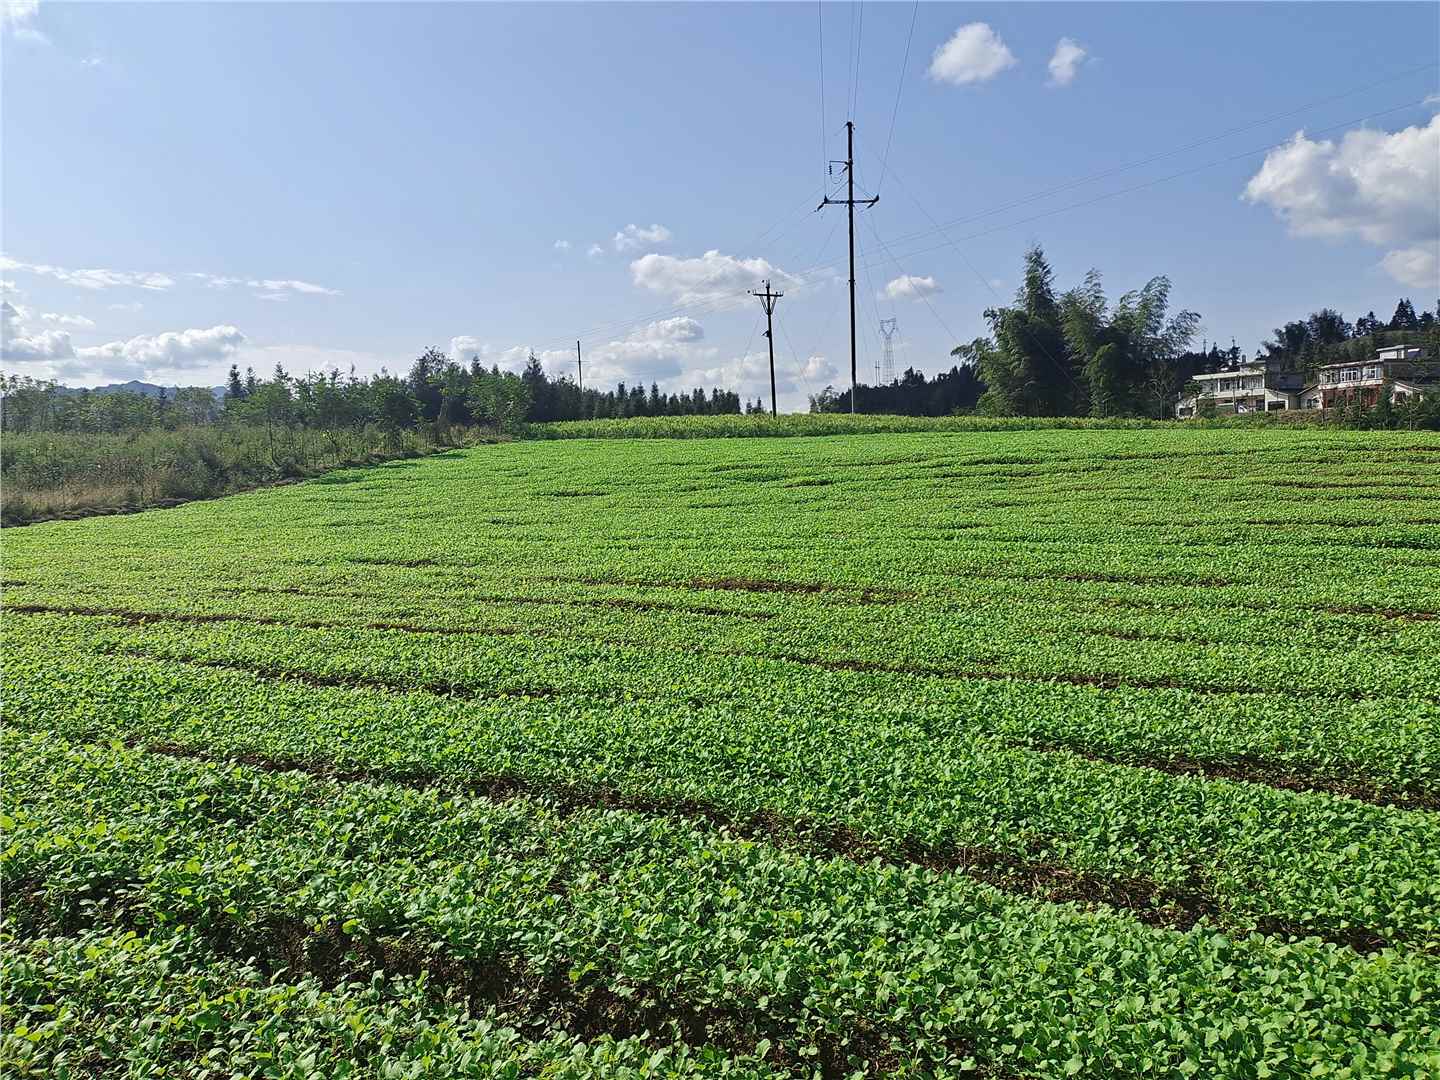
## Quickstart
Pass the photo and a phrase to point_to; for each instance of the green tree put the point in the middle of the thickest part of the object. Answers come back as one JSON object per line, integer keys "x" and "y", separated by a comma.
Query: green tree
{"x": 1404, "y": 317}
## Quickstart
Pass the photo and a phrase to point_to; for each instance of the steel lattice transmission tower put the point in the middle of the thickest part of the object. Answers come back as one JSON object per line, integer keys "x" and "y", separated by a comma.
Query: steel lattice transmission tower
{"x": 888, "y": 329}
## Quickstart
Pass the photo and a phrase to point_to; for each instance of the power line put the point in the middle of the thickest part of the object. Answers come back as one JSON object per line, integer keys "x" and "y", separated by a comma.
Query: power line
{"x": 768, "y": 300}
{"x": 949, "y": 333}
{"x": 899, "y": 86}
{"x": 874, "y": 304}
{"x": 704, "y": 306}
{"x": 922, "y": 234}
{"x": 1161, "y": 156}
{"x": 860, "y": 42}
{"x": 800, "y": 275}
{"x": 788, "y": 219}
{"x": 850, "y": 63}
{"x": 849, "y": 203}
{"x": 799, "y": 367}
{"x": 820, "y": 15}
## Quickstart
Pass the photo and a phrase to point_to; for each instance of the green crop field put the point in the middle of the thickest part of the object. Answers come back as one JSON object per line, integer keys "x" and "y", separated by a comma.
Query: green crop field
{"x": 1008, "y": 754}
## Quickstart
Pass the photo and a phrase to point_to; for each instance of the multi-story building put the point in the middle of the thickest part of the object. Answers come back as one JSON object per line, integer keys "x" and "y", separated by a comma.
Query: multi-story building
{"x": 1250, "y": 386}
{"x": 1260, "y": 385}
{"x": 1362, "y": 381}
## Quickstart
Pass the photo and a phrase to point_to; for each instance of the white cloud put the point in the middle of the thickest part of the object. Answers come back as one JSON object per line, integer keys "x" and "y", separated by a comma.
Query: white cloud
{"x": 1065, "y": 63}
{"x": 510, "y": 358}
{"x": 18, "y": 16}
{"x": 973, "y": 54}
{"x": 17, "y": 344}
{"x": 671, "y": 352}
{"x": 274, "y": 287}
{"x": 6, "y": 285}
{"x": 562, "y": 245}
{"x": 67, "y": 320}
{"x": 711, "y": 278}
{"x": 911, "y": 287}
{"x": 301, "y": 359}
{"x": 668, "y": 352}
{"x": 45, "y": 346}
{"x": 1381, "y": 187}
{"x": 144, "y": 355}
{"x": 13, "y": 12}
{"x": 595, "y": 251}
{"x": 92, "y": 279}
{"x": 638, "y": 236}
{"x": 136, "y": 306}
{"x": 1417, "y": 267}
{"x": 749, "y": 376}
{"x": 680, "y": 328}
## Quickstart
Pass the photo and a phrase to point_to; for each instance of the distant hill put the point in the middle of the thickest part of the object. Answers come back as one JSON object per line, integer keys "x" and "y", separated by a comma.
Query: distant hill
{"x": 134, "y": 386}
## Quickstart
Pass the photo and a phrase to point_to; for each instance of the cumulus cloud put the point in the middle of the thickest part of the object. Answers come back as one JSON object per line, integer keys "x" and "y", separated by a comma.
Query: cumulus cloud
{"x": 1382, "y": 187}
{"x": 673, "y": 353}
{"x": 911, "y": 287}
{"x": 466, "y": 347}
{"x": 637, "y": 236}
{"x": 680, "y": 328}
{"x": 562, "y": 245}
{"x": 1065, "y": 63}
{"x": 174, "y": 350}
{"x": 92, "y": 279}
{"x": 44, "y": 345}
{"x": 668, "y": 352}
{"x": 595, "y": 251}
{"x": 973, "y": 54}
{"x": 1417, "y": 267}
{"x": 711, "y": 278}
{"x": 67, "y": 320}
{"x": 749, "y": 376}
{"x": 22, "y": 345}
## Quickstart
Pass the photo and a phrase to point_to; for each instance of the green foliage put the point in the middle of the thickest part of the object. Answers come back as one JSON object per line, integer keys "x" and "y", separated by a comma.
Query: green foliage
{"x": 55, "y": 475}
{"x": 979, "y": 747}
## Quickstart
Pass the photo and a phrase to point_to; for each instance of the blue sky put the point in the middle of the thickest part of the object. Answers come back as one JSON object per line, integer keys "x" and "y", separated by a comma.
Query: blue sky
{"x": 187, "y": 185}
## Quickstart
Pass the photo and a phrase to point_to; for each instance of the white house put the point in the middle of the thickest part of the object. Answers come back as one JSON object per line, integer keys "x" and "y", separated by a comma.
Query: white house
{"x": 1250, "y": 386}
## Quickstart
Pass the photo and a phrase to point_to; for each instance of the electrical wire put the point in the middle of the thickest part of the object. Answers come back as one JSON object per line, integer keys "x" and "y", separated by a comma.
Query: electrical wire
{"x": 925, "y": 233}
{"x": 899, "y": 86}
{"x": 802, "y": 275}
{"x": 824, "y": 153}
{"x": 860, "y": 42}
{"x": 1164, "y": 154}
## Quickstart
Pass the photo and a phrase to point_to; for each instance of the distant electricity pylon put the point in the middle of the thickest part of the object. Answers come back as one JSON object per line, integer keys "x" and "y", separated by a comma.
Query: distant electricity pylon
{"x": 888, "y": 329}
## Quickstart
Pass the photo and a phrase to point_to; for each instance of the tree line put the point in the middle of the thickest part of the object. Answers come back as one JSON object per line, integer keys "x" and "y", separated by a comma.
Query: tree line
{"x": 437, "y": 393}
{"x": 1075, "y": 353}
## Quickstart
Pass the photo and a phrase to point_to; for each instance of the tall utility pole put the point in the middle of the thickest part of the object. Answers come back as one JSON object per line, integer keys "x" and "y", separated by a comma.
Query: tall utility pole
{"x": 579, "y": 367}
{"x": 849, "y": 202}
{"x": 888, "y": 329}
{"x": 768, "y": 298}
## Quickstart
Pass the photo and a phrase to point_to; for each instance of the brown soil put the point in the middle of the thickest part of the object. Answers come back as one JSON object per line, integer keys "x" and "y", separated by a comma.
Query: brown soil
{"x": 1253, "y": 770}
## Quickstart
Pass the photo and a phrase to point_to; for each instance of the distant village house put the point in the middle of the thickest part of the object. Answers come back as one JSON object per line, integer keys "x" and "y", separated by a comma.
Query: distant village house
{"x": 1260, "y": 385}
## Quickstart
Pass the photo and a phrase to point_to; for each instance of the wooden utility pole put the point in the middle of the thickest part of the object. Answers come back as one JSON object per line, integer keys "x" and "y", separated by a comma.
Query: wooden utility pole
{"x": 579, "y": 367}
{"x": 768, "y": 298}
{"x": 849, "y": 203}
